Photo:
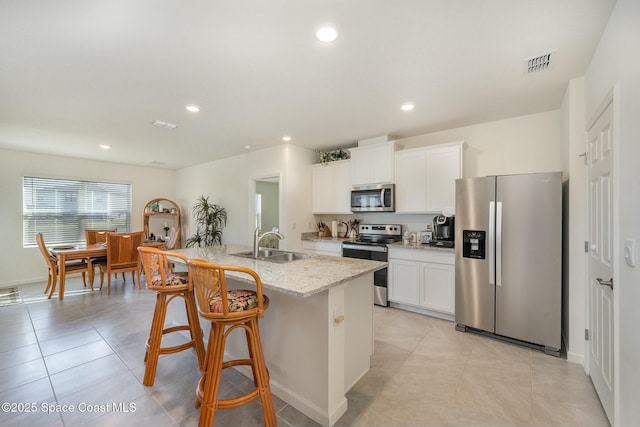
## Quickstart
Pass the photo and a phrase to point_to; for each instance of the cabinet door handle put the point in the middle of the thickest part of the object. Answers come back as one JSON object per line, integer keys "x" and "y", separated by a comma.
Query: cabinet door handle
{"x": 608, "y": 283}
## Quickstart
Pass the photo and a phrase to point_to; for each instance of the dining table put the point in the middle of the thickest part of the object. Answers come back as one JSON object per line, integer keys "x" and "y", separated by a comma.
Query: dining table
{"x": 84, "y": 252}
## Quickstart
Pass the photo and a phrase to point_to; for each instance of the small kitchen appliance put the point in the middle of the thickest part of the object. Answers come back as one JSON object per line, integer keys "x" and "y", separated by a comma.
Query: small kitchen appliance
{"x": 372, "y": 198}
{"x": 443, "y": 231}
{"x": 425, "y": 237}
{"x": 372, "y": 244}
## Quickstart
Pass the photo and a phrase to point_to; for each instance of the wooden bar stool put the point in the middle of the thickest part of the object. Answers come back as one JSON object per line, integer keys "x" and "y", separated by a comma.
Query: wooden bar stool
{"x": 168, "y": 285}
{"x": 230, "y": 310}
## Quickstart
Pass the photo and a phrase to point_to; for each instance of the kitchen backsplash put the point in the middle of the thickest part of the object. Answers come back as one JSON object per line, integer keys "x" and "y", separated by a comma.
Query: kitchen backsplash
{"x": 409, "y": 223}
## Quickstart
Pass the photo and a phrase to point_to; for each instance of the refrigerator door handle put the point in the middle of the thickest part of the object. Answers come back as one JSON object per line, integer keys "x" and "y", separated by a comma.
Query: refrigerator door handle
{"x": 492, "y": 243}
{"x": 499, "y": 243}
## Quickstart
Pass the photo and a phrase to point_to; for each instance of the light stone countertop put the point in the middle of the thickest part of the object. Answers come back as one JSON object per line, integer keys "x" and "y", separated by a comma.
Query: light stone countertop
{"x": 302, "y": 278}
{"x": 421, "y": 247}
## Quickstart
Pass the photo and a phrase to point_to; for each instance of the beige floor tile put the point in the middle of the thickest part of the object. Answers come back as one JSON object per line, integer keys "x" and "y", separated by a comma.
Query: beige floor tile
{"x": 423, "y": 371}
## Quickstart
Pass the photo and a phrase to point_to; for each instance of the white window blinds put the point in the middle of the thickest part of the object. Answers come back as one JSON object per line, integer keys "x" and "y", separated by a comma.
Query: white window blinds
{"x": 61, "y": 209}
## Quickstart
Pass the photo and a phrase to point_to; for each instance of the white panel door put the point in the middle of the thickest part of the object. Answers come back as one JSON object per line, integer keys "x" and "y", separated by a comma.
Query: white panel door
{"x": 438, "y": 287}
{"x": 600, "y": 264}
{"x": 404, "y": 282}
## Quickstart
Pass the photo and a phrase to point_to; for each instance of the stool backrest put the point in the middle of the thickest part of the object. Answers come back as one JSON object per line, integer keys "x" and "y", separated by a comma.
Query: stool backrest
{"x": 210, "y": 282}
{"x": 157, "y": 270}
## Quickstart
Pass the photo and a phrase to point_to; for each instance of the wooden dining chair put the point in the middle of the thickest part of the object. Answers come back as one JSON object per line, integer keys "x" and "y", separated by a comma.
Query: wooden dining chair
{"x": 93, "y": 237}
{"x": 122, "y": 256}
{"x": 97, "y": 236}
{"x": 71, "y": 267}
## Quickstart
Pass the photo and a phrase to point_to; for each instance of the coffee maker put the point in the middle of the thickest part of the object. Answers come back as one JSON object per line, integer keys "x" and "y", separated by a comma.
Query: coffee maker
{"x": 443, "y": 231}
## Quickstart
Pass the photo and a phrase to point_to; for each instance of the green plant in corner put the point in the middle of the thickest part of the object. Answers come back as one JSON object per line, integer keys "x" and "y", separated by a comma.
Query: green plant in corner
{"x": 209, "y": 220}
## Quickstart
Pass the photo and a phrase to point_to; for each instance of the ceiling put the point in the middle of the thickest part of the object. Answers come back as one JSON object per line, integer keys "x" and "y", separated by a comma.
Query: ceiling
{"x": 76, "y": 74}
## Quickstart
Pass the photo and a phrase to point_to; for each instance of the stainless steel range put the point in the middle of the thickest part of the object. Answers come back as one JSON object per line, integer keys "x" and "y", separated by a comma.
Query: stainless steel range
{"x": 372, "y": 244}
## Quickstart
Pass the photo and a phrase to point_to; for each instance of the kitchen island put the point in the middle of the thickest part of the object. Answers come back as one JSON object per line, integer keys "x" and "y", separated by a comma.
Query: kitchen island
{"x": 317, "y": 333}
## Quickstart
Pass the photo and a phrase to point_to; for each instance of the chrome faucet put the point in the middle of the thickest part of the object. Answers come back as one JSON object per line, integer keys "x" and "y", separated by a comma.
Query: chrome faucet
{"x": 257, "y": 238}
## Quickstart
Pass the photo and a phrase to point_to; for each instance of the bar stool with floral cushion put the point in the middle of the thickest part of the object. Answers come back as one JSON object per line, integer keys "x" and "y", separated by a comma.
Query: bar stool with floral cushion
{"x": 168, "y": 285}
{"x": 229, "y": 310}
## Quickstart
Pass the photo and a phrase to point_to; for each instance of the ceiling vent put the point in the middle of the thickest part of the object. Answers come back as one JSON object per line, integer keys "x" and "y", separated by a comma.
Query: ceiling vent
{"x": 166, "y": 125}
{"x": 539, "y": 63}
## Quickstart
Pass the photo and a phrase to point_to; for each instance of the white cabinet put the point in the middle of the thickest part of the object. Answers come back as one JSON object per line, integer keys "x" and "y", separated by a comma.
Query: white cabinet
{"x": 372, "y": 164}
{"x": 331, "y": 188}
{"x": 426, "y": 177}
{"x": 322, "y": 247}
{"x": 404, "y": 281}
{"x": 424, "y": 279}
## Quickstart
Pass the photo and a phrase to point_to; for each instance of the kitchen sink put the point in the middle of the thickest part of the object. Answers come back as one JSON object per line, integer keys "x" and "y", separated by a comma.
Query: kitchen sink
{"x": 286, "y": 257}
{"x": 273, "y": 255}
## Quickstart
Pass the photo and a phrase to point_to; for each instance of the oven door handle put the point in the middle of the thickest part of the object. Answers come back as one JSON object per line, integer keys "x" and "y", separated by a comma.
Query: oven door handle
{"x": 367, "y": 248}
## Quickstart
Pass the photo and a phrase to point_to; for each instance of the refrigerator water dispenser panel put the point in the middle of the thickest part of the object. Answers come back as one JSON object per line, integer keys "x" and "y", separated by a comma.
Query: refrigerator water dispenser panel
{"x": 473, "y": 244}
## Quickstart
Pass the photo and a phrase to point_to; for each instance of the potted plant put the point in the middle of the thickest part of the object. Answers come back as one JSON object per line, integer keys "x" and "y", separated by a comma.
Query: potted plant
{"x": 209, "y": 220}
{"x": 332, "y": 156}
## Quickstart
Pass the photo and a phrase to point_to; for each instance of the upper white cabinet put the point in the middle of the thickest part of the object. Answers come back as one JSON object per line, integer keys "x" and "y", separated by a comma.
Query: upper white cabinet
{"x": 372, "y": 164}
{"x": 331, "y": 188}
{"x": 425, "y": 177}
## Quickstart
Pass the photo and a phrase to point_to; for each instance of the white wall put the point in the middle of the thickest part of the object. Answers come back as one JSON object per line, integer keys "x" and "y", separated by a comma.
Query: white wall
{"x": 230, "y": 183}
{"x": 524, "y": 144}
{"x": 25, "y": 265}
{"x": 616, "y": 63}
{"x": 574, "y": 257}
{"x": 531, "y": 143}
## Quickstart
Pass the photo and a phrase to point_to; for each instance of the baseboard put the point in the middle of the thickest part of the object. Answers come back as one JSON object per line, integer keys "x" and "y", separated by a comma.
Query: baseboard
{"x": 424, "y": 311}
{"x": 31, "y": 281}
{"x": 575, "y": 358}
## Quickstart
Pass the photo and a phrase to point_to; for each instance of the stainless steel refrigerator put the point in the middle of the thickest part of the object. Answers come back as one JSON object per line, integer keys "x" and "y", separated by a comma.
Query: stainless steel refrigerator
{"x": 508, "y": 244}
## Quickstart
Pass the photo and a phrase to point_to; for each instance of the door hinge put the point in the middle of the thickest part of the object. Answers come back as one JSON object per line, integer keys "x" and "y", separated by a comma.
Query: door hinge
{"x": 586, "y": 335}
{"x": 586, "y": 246}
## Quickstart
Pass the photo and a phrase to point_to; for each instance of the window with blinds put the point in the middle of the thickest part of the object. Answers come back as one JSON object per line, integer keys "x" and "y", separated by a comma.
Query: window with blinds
{"x": 61, "y": 209}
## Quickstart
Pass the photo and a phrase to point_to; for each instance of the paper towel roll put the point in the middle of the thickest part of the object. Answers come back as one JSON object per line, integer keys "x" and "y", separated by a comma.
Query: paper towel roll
{"x": 334, "y": 228}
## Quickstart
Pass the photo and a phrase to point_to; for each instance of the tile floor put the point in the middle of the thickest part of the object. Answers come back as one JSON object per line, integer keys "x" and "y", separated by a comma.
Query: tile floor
{"x": 87, "y": 352}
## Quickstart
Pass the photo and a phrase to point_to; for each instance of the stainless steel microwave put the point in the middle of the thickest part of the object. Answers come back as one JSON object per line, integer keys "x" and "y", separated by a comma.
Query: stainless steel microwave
{"x": 373, "y": 198}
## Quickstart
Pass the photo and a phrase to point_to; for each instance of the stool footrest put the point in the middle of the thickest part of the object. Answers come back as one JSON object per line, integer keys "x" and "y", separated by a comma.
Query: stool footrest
{"x": 175, "y": 348}
{"x": 233, "y": 402}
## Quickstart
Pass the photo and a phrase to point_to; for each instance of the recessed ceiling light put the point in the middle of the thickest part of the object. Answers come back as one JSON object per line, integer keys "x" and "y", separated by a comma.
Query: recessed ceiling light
{"x": 105, "y": 146}
{"x": 286, "y": 138}
{"x": 407, "y": 106}
{"x": 247, "y": 147}
{"x": 327, "y": 34}
{"x": 193, "y": 108}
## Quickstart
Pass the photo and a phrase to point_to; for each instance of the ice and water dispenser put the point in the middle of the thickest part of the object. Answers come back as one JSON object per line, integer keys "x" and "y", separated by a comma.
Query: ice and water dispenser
{"x": 473, "y": 244}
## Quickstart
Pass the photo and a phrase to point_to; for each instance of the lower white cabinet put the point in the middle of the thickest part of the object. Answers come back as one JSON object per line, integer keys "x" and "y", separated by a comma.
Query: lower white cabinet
{"x": 322, "y": 247}
{"x": 423, "y": 279}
